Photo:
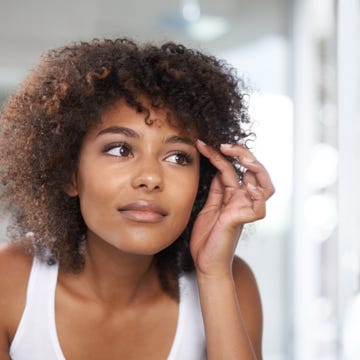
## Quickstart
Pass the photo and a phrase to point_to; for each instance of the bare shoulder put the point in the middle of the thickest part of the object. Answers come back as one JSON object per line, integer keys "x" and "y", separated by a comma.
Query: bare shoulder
{"x": 243, "y": 274}
{"x": 249, "y": 299}
{"x": 15, "y": 265}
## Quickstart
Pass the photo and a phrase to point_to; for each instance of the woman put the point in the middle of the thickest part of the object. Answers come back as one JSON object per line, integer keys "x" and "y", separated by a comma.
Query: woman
{"x": 121, "y": 171}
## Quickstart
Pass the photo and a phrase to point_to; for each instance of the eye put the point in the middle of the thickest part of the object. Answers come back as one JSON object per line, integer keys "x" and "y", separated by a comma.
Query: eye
{"x": 120, "y": 150}
{"x": 180, "y": 158}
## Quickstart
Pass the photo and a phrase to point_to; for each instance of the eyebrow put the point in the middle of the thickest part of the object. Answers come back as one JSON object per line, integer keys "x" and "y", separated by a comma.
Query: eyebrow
{"x": 180, "y": 139}
{"x": 174, "y": 139}
{"x": 119, "y": 130}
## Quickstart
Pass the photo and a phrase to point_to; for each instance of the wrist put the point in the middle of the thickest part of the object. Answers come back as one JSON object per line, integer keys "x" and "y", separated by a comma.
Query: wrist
{"x": 215, "y": 277}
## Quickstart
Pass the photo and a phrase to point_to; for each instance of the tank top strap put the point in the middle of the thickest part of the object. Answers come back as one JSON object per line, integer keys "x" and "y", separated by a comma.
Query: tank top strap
{"x": 189, "y": 341}
{"x": 39, "y": 313}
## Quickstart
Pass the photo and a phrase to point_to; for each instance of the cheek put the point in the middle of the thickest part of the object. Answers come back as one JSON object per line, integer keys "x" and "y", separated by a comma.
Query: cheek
{"x": 96, "y": 191}
{"x": 186, "y": 192}
{"x": 195, "y": 185}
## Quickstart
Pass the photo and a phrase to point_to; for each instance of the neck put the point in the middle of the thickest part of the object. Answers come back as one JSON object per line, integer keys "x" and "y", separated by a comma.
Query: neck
{"x": 114, "y": 276}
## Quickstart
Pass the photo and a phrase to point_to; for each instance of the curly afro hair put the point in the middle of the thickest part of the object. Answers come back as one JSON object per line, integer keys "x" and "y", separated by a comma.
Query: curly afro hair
{"x": 43, "y": 124}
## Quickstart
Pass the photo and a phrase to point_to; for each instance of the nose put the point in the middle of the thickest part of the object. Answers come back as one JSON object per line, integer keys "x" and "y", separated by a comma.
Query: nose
{"x": 148, "y": 176}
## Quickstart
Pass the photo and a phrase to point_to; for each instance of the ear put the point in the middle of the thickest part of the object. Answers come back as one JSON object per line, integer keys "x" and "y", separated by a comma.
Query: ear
{"x": 72, "y": 188}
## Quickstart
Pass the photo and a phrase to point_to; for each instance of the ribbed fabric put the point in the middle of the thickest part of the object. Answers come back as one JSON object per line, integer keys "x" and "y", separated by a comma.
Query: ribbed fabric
{"x": 36, "y": 337}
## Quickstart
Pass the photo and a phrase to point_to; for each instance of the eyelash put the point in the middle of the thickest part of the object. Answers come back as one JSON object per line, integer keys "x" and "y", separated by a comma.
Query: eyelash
{"x": 186, "y": 157}
{"x": 113, "y": 146}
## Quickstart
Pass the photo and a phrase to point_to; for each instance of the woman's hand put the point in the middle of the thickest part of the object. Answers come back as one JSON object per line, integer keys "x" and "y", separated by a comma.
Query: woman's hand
{"x": 228, "y": 207}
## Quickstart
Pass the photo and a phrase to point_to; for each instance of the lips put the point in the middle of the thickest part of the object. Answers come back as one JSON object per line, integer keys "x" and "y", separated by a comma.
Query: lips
{"x": 143, "y": 211}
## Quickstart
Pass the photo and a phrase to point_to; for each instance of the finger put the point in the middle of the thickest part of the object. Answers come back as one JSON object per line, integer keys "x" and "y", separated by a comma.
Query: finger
{"x": 227, "y": 172}
{"x": 215, "y": 195}
{"x": 256, "y": 170}
{"x": 259, "y": 201}
{"x": 249, "y": 161}
{"x": 236, "y": 150}
{"x": 249, "y": 178}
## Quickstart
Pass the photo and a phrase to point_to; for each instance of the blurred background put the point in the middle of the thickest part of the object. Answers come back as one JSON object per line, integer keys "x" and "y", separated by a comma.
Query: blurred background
{"x": 301, "y": 58}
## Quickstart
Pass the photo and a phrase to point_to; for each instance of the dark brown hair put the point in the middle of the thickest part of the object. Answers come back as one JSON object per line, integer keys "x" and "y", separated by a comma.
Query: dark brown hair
{"x": 44, "y": 122}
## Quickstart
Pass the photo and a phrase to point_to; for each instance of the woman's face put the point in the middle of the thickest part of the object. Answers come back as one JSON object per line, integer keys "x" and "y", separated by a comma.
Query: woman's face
{"x": 136, "y": 182}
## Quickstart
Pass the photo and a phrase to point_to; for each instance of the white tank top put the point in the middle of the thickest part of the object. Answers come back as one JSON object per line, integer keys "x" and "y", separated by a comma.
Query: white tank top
{"x": 36, "y": 337}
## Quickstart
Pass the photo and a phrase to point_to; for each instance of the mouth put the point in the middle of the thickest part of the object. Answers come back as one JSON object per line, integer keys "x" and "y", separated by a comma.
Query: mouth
{"x": 143, "y": 211}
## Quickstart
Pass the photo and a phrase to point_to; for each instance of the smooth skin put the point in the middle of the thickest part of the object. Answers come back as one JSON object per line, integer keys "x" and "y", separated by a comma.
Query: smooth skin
{"x": 128, "y": 183}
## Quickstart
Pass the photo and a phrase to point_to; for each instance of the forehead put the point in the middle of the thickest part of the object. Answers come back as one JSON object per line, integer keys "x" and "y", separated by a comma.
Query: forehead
{"x": 121, "y": 113}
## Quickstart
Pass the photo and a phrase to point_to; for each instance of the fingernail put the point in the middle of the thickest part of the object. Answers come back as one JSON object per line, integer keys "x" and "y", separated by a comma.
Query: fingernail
{"x": 201, "y": 142}
{"x": 251, "y": 186}
{"x": 227, "y": 146}
{"x": 248, "y": 160}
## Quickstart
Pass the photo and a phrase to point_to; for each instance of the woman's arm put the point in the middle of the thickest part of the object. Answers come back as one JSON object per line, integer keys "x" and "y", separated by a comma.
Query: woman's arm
{"x": 229, "y": 296}
{"x": 232, "y": 314}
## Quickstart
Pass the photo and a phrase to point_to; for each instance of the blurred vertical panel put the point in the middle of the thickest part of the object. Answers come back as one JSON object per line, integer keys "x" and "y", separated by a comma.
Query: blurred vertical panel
{"x": 348, "y": 40}
{"x": 315, "y": 211}
{"x": 302, "y": 256}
